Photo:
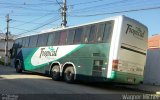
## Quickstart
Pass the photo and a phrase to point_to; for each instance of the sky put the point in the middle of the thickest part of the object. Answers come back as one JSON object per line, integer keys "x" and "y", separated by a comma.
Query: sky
{"x": 33, "y": 16}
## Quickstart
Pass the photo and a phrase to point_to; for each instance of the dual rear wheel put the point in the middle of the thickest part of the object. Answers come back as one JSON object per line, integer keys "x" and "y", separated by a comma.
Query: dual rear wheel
{"x": 68, "y": 73}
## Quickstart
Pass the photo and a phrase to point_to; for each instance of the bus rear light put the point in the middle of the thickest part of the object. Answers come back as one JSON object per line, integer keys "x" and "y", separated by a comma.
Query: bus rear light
{"x": 115, "y": 64}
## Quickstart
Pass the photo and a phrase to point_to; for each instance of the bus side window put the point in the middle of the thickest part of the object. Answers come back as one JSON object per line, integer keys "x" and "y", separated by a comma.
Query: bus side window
{"x": 92, "y": 34}
{"x": 108, "y": 32}
{"x": 42, "y": 39}
{"x": 19, "y": 43}
{"x": 23, "y": 43}
{"x": 78, "y": 35}
{"x": 86, "y": 32}
{"x": 63, "y": 37}
{"x": 51, "y": 37}
{"x": 57, "y": 38}
{"x": 70, "y": 36}
{"x": 33, "y": 41}
{"x": 100, "y": 31}
{"x": 26, "y": 42}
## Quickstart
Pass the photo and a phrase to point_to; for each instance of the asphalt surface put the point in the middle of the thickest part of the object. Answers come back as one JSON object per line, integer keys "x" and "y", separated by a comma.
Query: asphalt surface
{"x": 40, "y": 85}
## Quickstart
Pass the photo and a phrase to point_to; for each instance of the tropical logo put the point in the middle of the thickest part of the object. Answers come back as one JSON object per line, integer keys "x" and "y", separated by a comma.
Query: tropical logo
{"x": 49, "y": 52}
{"x": 44, "y": 55}
{"x": 136, "y": 31}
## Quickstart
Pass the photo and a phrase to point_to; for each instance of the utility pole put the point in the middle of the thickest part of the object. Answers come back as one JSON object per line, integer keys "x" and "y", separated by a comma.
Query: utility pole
{"x": 6, "y": 40}
{"x": 64, "y": 14}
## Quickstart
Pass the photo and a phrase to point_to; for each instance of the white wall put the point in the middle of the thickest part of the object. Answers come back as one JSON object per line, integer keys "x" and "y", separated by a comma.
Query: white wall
{"x": 2, "y": 47}
{"x": 152, "y": 68}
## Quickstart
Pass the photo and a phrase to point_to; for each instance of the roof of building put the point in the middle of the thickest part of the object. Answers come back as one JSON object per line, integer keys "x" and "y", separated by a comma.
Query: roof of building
{"x": 154, "y": 41}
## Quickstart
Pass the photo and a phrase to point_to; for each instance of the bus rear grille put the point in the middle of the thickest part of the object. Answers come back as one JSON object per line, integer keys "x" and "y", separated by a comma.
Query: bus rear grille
{"x": 97, "y": 67}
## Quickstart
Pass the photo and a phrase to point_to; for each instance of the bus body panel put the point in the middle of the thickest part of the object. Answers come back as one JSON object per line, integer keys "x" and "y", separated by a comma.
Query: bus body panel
{"x": 132, "y": 52}
{"x": 82, "y": 56}
{"x": 125, "y": 45}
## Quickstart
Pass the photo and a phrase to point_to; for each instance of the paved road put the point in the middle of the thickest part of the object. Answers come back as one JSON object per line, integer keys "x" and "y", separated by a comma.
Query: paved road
{"x": 27, "y": 83}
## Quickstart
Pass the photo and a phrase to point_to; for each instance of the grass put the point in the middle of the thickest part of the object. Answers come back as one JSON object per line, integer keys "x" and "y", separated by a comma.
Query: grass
{"x": 2, "y": 61}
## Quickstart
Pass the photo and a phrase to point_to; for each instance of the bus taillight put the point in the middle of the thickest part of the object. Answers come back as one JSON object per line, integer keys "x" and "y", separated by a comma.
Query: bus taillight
{"x": 115, "y": 64}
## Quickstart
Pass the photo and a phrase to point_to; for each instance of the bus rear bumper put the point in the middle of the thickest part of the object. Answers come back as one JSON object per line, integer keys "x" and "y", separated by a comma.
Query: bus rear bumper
{"x": 122, "y": 77}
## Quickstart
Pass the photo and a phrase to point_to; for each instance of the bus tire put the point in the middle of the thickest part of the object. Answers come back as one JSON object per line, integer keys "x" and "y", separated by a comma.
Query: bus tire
{"x": 18, "y": 67}
{"x": 69, "y": 74}
{"x": 55, "y": 73}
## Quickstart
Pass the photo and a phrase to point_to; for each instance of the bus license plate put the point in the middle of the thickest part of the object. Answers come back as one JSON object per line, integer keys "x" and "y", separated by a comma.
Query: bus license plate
{"x": 130, "y": 80}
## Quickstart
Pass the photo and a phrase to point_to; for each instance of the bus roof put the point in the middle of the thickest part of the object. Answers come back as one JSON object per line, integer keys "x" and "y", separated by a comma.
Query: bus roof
{"x": 58, "y": 29}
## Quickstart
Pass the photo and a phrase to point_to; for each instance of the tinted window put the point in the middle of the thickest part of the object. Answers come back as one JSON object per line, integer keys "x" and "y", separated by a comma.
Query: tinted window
{"x": 19, "y": 42}
{"x": 92, "y": 34}
{"x": 100, "y": 31}
{"x": 51, "y": 37}
{"x": 108, "y": 31}
{"x": 70, "y": 36}
{"x": 33, "y": 41}
{"x": 57, "y": 37}
{"x": 78, "y": 35}
{"x": 86, "y": 32}
{"x": 42, "y": 39}
{"x": 26, "y": 42}
{"x": 63, "y": 37}
{"x": 23, "y": 42}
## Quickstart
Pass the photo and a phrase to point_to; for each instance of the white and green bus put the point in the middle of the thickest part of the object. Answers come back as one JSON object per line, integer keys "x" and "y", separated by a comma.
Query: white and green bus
{"x": 112, "y": 49}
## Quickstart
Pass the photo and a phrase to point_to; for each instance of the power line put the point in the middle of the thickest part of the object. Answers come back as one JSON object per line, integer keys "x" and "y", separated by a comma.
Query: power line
{"x": 33, "y": 20}
{"x": 133, "y": 10}
{"x": 20, "y": 29}
{"x": 82, "y": 3}
{"x": 59, "y": 4}
{"x": 118, "y": 6}
{"x": 27, "y": 4}
{"x": 39, "y": 27}
{"x": 27, "y": 8}
{"x": 107, "y": 4}
{"x": 25, "y": 22}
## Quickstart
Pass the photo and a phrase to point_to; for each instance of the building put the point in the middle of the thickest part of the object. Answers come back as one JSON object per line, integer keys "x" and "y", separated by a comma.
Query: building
{"x": 152, "y": 68}
{"x": 154, "y": 41}
{"x": 2, "y": 44}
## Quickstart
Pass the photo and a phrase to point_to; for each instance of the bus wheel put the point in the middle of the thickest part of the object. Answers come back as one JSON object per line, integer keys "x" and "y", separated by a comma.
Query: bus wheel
{"x": 18, "y": 67}
{"x": 69, "y": 74}
{"x": 55, "y": 73}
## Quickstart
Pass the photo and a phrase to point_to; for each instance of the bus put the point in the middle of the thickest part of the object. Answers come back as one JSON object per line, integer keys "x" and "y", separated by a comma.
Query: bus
{"x": 109, "y": 50}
